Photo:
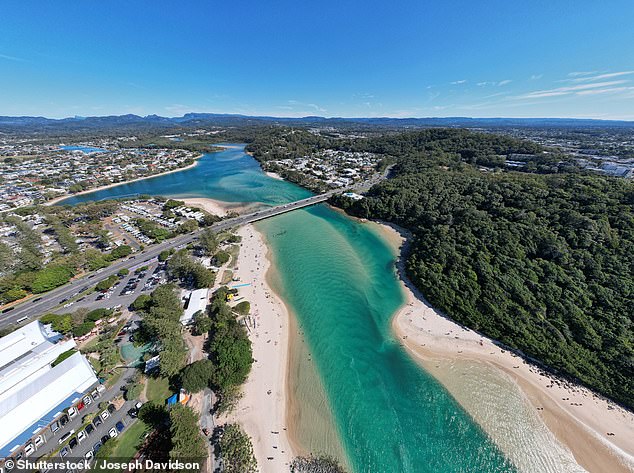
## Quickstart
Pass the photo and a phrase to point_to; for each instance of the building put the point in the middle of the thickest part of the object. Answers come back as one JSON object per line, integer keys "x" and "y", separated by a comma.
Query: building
{"x": 196, "y": 301}
{"x": 33, "y": 392}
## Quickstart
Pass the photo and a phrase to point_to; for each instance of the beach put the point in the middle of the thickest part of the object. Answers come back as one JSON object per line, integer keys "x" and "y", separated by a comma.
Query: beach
{"x": 578, "y": 419}
{"x": 115, "y": 184}
{"x": 214, "y": 207}
{"x": 262, "y": 411}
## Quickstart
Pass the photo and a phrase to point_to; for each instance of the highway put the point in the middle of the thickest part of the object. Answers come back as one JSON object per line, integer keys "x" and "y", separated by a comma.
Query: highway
{"x": 34, "y": 308}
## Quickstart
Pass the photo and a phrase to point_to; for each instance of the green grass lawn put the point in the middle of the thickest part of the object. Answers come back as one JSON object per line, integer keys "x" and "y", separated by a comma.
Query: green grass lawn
{"x": 158, "y": 389}
{"x": 126, "y": 444}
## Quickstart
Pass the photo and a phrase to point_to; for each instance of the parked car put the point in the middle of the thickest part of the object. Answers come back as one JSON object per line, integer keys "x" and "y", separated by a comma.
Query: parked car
{"x": 96, "y": 447}
{"x": 105, "y": 414}
{"x": 111, "y": 408}
{"x": 73, "y": 443}
{"x": 89, "y": 429}
{"x": 65, "y": 437}
{"x": 105, "y": 438}
{"x": 87, "y": 400}
{"x": 72, "y": 412}
{"x": 81, "y": 436}
{"x": 38, "y": 441}
{"x": 88, "y": 455}
{"x": 97, "y": 421}
{"x": 64, "y": 452}
{"x": 29, "y": 449}
{"x": 54, "y": 426}
{"x": 133, "y": 413}
{"x": 63, "y": 420}
{"x": 113, "y": 433}
{"x": 119, "y": 425}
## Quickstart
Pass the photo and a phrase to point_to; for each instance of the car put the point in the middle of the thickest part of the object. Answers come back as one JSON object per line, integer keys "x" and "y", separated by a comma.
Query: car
{"x": 87, "y": 400}
{"x": 111, "y": 408}
{"x": 65, "y": 437}
{"x": 73, "y": 443}
{"x": 38, "y": 441}
{"x": 81, "y": 436}
{"x": 54, "y": 426}
{"x": 113, "y": 433}
{"x": 72, "y": 412}
{"x": 63, "y": 300}
{"x": 37, "y": 299}
{"x": 81, "y": 299}
{"x": 97, "y": 422}
{"x": 138, "y": 405}
{"x": 133, "y": 413}
{"x": 29, "y": 449}
{"x": 96, "y": 447}
{"x": 119, "y": 425}
{"x": 105, "y": 414}
{"x": 105, "y": 438}
{"x": 64, "y": 452}
{"x": 68, "y": 304}
{"x": 88, "y": 455}
{"x": 63, "y": 420}
{"x": 89, "y": 429}
{"x": 101, "y": 388}
{"x": 19, "y": 455}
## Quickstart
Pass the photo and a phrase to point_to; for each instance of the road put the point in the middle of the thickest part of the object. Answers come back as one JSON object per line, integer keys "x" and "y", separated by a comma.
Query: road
{"x": 34, "y": 308}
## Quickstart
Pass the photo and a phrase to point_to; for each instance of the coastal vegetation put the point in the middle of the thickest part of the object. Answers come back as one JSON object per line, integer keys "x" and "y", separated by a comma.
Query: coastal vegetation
{"x": 540, "y": 261}
{"x": 316, "y": 464}
{"x": 236, "y": 450}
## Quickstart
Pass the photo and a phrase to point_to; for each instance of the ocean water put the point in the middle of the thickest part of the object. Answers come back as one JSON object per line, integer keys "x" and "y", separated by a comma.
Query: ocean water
{"x": 337, "y": 277}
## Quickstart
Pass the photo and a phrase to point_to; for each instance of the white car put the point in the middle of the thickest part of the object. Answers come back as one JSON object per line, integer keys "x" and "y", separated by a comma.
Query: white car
{"x": 87, "y": 400}
{"x": 81, "y": 436}
{"x": 72, "y": 412}
{"x": 105, "y": 415}
{"x": 38, "y": 441}
{"x": 29, "y": 449}
{"x": 113, "y": 433}
{"x": 88, "y": 456}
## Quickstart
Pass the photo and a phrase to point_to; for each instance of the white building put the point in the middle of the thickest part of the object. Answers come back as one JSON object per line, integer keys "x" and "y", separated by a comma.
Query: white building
{"x": 197, "y": 300}
{"x": 32, "y": 392}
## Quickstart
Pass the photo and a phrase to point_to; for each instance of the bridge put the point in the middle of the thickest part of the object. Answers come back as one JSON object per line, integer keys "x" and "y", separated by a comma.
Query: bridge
{"x": 34, "y": 308}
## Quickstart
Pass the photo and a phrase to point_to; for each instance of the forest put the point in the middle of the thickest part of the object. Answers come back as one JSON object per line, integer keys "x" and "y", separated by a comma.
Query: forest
{"x": 541, "y": 261}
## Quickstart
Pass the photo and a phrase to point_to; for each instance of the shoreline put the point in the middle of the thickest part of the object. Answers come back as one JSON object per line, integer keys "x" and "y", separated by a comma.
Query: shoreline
{"x": 215, "y": 207}
{"x": 263, "y": 409}
{"x": 578, "y": 419}
{"x": 115, "y": 184}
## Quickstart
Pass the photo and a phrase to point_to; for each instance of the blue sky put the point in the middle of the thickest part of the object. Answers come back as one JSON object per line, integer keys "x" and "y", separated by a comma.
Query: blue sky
{"x": 482, "y": 58}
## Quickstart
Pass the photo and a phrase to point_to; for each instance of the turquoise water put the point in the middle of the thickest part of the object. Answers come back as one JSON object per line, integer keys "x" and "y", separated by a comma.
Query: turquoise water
{"x": 337, "y": 276}
{"x": 83, "y": 149}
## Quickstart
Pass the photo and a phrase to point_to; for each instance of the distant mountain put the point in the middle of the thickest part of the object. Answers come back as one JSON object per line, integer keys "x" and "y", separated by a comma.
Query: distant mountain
{"x": 42, "y": 125}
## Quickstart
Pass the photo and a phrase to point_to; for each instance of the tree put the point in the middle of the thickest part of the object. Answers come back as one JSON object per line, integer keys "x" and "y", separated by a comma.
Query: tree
{"x": 222, "y": 257}
{"x": 14, "y": 294}
{"x": 237, "y": 451}
{"x": 202, "y": 323}
{"x": 142, "y": 302}
{"x": 208, "y": 241}
{"x": 123, "y": 272}
{"x": 121, "y": 252}
{"x": 172, "y": 204}
{"x": 243, "y": 308}
{"x": 107, "y": 283}
{"x": 164, "y": 255}
{"x": 59, "y": 323}
{"x": 50, "y": 278}
{"x": 187, "y": 443}
{"x": 197, "y": 376}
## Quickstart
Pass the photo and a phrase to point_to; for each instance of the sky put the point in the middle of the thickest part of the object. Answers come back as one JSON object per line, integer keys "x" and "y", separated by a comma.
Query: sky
{"x": 361, "y": 58}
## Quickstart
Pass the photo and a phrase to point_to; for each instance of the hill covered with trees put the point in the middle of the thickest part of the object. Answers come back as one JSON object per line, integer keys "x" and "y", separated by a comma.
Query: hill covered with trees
{"x": 541, "y": 261}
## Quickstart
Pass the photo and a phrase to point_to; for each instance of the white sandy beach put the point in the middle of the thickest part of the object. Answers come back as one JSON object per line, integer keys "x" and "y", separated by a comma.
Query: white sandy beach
{"x": 579, "y": 419}
{"x": 214, "y": 207}
{"x": 262, "y": 411}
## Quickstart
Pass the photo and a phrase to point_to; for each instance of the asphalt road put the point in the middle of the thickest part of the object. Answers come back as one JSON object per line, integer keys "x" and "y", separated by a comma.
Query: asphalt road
{"x": 34, "y": 308}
